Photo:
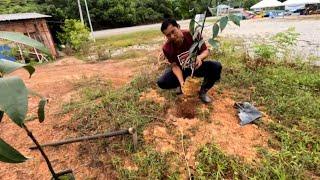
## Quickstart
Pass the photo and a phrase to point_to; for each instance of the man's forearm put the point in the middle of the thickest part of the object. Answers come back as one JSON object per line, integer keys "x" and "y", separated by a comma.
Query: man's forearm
{"x": 178, "y": 72}
{"x": 204, "y": 54}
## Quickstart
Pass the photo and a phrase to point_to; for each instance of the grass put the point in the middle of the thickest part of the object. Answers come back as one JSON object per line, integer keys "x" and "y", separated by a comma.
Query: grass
{"x": 290, "y": 94}
{"x": 214, "y": 164}
{"x": 102, "y": 108}
{"x": 113, "y": 108}
{"x": 102, "y": 49}
{"x": 149, "y": 163}
{"x": 125, "y": 40}
{"x": 131, "y": 54}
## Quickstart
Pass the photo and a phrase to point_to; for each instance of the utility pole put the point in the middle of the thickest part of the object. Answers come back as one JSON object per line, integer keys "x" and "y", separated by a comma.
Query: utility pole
{"x": 89, "y": 19}
{"x": 217, "y": 4}
{"x": 80, "y": 12}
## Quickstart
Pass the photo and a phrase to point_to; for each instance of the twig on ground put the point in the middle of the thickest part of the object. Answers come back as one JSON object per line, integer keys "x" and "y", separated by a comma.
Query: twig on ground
{"x": 184, "y": 155}
{"x": 148, "y": 116}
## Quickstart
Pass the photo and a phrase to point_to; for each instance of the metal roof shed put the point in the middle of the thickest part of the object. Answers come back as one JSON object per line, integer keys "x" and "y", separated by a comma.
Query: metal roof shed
{"x": 33, "y": 25}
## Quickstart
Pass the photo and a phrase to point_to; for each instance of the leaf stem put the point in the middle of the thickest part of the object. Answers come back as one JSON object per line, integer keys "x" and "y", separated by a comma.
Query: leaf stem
{"x": 202, "y": 27}
{"x": 29, "y": 133}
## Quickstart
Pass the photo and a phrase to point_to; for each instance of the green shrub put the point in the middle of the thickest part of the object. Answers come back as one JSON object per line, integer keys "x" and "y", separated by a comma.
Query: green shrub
{"x": 75, "y": 34}
{"x": 285, "y": 40}
{"x": 280, "y": 44}
{"x": 265, "y": 51}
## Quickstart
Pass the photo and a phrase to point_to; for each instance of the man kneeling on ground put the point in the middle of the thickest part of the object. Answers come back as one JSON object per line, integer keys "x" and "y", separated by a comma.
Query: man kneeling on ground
{"x": 176, "y": 50}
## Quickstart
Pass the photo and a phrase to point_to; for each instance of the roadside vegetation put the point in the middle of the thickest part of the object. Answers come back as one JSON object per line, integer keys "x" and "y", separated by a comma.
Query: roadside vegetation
{"x": 125, "y": 46}
{"x": 129, "y": 39}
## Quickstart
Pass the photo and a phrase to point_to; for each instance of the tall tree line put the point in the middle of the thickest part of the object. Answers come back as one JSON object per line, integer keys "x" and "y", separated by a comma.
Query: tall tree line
{"x": 114, "y": 13}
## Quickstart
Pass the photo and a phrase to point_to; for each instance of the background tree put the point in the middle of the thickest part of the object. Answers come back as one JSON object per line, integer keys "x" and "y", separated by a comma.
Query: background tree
{"x": 113, "y": 13}
{"x": 14, "y": 6}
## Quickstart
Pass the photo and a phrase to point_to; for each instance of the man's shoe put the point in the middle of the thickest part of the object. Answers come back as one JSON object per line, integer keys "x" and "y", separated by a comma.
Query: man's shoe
{"x": 204, "y": 97}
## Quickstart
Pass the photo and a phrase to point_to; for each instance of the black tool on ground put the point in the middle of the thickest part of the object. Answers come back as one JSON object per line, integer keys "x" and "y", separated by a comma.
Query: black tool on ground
{"x": 130, "y": 131}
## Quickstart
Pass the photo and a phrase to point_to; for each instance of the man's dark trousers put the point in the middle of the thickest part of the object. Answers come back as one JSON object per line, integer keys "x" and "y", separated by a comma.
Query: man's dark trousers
{"x": 210, "y": 70}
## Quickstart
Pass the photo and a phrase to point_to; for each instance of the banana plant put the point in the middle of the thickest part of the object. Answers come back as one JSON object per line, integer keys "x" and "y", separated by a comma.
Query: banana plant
{"x": 14, "y": 100}
{"x": 196, "y": 29}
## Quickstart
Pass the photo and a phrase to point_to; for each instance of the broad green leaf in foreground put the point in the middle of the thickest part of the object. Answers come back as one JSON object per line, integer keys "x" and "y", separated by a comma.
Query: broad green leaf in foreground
{"x": 41, "y": 105}
{"x": 22, "y": 39}
{"x": 9, "y": 154}
{"x": 215, "y": 30}
{"x": 223, "y": 22}
{"x": 235, "y": 19}
{"x": 191, "y": 26}
{"x": 14, "y": 98}
{"x": 7, "y": 67}
{"x": 41, "y": 114}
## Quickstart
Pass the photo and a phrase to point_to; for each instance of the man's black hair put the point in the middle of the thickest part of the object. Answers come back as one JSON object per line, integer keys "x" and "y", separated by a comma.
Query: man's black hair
{"x": 167, "y": 22}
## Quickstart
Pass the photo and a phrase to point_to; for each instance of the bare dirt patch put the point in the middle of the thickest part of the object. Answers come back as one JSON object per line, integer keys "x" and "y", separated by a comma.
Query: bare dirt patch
{"x": 222, "y": 128}
{"x": 152, "y": 95}
{"x": 187, "y": 108}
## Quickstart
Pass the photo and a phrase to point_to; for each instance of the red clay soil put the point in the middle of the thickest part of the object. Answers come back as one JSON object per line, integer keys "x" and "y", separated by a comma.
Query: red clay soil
{"x": 55, "y": 81}
{"x": 151, "y": 94}
{"x": 222, "y": 129}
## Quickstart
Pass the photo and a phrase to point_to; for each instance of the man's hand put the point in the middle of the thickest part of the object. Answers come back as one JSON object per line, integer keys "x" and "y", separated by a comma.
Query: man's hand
{"x": 198, "y": 62}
